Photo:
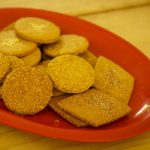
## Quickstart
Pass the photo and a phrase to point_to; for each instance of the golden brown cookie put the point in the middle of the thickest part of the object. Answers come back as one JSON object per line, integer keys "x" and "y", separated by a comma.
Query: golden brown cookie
{"x": 26, "y": 91}
{"x": 67, "y": 44}
{"x": 33, "y": 58}
{"x": 89, "y": 57}
{"x": 37, "y": 30}
{"x": 71, "y": 74}
{"x": 11, "y": 44}
{"x": 75, "y": 121}
{"x": 113, "y": 80}
{"x": 94, "y": 107}
{"x": 4, "y": 66}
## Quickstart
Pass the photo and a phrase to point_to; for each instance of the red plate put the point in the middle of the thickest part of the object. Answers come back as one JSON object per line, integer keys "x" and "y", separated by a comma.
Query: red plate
{"x": 49, "y": 124}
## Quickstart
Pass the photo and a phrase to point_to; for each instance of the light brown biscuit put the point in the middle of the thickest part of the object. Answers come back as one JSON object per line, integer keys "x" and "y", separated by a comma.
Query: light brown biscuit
{"x": 11, "y": 44}
{"x": 71, "y": 74}
{"x": 30, "y": 93}
{"x": 89, "y": 57}
{"x": 37, "y": 30}
{"x": 4, "y": 66}
{"x": 57, "y": 92}
{"x": 33, "y": 58}
{"x": 67, "y": 44}
{"x": 94, "y": 107}
{"x": 113, "y": 80}
{"x": 75, "y": 121}
{"x": 9, "y": 27}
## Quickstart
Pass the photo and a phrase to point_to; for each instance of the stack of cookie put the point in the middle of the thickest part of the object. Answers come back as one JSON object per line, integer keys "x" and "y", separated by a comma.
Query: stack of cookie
{"x": 40, "y": 67}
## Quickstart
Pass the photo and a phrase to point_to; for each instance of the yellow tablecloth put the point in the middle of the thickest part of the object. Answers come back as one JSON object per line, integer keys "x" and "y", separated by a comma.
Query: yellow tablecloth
{"x": 129, "y": 19}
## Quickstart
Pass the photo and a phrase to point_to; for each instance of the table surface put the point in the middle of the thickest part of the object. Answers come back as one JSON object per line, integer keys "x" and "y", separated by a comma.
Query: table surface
{"x": 129, "y": 19}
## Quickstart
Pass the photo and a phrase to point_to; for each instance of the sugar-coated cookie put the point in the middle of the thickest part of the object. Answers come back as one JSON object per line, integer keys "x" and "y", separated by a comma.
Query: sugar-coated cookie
{"x": 26, "y": 91}
{"x": 94, "y": 107}
{"x": 71, "y": 74}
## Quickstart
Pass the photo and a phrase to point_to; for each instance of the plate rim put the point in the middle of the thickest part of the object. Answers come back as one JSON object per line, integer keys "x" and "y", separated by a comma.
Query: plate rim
{"x": 73, "y": 135}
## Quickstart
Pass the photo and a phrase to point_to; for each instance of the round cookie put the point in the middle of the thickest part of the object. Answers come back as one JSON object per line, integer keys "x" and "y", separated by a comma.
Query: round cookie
{"x": 11, "y": 44}
{"x": 33, "y": 58}
{"x": 71, "y": 74}
{"x": 37, "y": 30}
{"x": 67, "y": 44}
{"x": 4, "y": 66}
{"x": 30, "y": 93}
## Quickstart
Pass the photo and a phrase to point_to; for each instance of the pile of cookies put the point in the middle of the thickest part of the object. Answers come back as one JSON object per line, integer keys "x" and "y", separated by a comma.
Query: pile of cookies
{"x": 39, "y": 66}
